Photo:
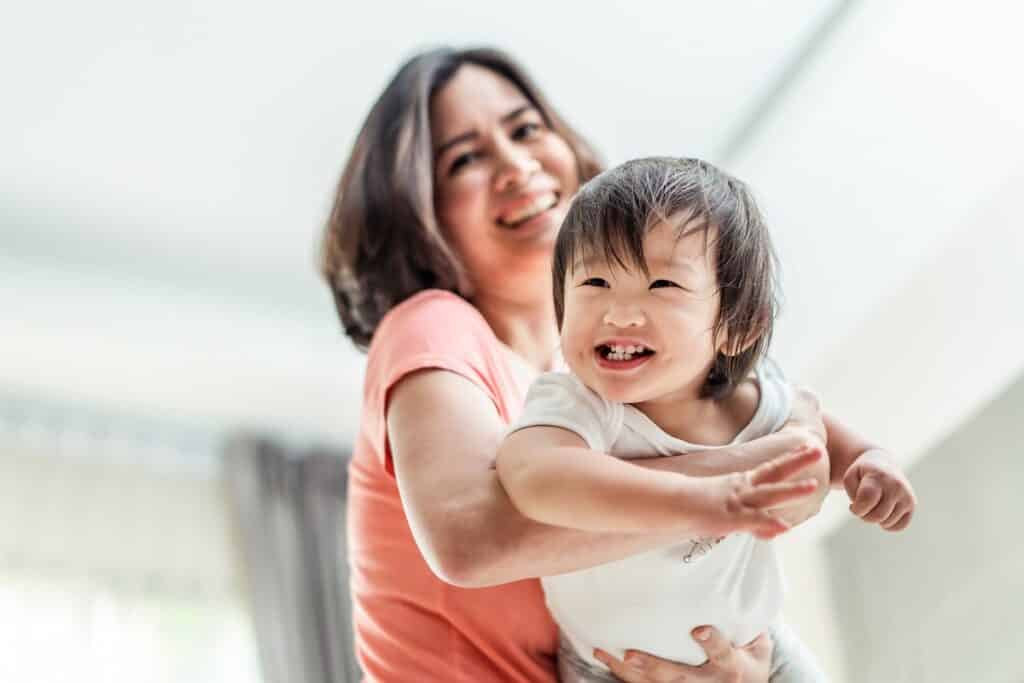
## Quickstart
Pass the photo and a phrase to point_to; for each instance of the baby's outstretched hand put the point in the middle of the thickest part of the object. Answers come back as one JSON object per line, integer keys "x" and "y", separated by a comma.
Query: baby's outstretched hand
{"x": 742, "y": 501}
{"x": 879, "y": 491}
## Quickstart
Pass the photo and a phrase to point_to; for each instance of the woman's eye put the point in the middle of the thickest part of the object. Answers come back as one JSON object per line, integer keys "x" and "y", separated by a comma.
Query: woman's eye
{"x": 460, "y": 161}
{"x": 525, "y": 131}
{"x": 594, "y": 282}
{"x": 663, "y": 283}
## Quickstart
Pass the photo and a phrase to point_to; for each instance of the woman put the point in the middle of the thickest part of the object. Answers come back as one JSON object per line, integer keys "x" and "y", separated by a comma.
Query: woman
{"x": 438, "y": 254}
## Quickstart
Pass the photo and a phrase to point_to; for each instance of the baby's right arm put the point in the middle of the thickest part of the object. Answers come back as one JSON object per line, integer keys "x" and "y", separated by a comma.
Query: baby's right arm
{"x": 803, "y": 431}
{"x": 552, "y": 477}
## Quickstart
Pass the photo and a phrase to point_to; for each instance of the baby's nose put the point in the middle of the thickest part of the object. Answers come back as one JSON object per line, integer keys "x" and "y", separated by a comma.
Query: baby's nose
{"x": 624, "y": 316}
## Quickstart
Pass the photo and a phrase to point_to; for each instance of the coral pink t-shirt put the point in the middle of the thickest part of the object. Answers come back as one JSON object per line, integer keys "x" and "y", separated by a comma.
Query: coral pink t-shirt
{"x": 410, "y": 626}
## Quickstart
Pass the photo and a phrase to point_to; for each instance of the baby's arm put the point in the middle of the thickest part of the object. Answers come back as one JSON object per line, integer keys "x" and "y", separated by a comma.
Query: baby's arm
{"x": 552, "y": 476}
{"x": 878, "y": 489}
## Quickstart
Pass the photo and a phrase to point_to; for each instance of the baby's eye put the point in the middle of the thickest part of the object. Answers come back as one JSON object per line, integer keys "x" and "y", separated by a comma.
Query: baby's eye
{"x": 594, "y": 282}
{"x": 663, "y": 283}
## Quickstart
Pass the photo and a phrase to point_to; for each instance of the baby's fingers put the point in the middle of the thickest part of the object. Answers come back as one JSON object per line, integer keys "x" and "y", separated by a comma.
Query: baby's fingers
{"x": 882, "y": 510}
{"x": 868, "y": 496}
{"x": 783, "y": 467}
{"x": 902, "y": 523}
{"x": 765, "y": 526}
{"x": 765, "y": 496}
{"x": 899, "y": 519}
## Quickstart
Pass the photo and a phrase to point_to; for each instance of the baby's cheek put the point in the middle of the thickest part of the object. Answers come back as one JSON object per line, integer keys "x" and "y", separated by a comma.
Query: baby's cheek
{"x": 576, "y": 357}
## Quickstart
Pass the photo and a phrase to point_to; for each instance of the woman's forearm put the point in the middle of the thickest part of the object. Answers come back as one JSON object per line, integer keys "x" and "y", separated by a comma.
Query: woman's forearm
{"x": 728, "y": 459}
{"x": 502, "y": 545}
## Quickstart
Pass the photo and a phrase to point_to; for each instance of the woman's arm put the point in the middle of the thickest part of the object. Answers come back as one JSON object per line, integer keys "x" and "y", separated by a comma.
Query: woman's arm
{"x": 444, "y": 433}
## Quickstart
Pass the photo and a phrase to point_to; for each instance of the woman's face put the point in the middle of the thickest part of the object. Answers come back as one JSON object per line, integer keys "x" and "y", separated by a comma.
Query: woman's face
{"x": 503, "y": 179}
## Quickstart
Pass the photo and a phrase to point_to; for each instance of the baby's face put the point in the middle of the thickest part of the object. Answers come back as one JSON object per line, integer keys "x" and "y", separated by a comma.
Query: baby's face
{"x": 638, "y": 338}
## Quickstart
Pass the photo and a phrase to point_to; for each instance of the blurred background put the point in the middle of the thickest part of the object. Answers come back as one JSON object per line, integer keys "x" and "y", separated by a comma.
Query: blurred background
{"x": 177, "y": 399}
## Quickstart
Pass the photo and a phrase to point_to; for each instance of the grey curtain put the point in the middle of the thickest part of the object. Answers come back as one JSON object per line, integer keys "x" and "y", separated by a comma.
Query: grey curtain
{"x": 289, "y": 508}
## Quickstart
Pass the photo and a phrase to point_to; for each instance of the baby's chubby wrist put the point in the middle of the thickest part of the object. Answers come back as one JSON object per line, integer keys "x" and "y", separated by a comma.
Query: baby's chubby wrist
{"x": 878, "y": 456}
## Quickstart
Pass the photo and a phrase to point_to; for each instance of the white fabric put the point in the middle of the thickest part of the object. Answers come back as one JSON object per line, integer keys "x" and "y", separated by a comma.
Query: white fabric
{"x": 653, "y": 600}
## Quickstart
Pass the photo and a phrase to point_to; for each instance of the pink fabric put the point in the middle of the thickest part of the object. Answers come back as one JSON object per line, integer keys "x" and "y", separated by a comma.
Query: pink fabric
{"x": 410, "y": 626}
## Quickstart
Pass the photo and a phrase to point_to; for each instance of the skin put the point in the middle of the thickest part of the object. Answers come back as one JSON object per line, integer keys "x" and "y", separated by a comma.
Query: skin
{"x": 670, "y": 310}
{"x": 725, "y": 662}
{"x": 493, "y": 156}
{"x": 462, "y": 519}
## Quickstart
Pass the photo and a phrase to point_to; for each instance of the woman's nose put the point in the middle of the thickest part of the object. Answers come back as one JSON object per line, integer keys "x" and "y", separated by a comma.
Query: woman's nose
{"x": 623, "y": 316}
{"x": 515, "y": 167}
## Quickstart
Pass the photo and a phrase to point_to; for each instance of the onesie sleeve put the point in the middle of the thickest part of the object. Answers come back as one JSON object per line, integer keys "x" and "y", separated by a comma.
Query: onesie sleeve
{"x": 559, "y": 399}
{"x": 776, "y": 392}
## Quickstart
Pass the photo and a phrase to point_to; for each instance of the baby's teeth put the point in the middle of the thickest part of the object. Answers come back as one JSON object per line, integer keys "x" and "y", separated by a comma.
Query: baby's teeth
{"x": 623, "y": 352}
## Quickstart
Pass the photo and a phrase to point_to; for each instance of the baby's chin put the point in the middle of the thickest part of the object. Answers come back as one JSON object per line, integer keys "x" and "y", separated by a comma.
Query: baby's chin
{"x": 618, "y": 392}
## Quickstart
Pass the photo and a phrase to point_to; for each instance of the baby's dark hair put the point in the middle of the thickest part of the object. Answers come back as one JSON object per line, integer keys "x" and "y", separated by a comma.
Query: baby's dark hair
{"x": 612, "y": 213}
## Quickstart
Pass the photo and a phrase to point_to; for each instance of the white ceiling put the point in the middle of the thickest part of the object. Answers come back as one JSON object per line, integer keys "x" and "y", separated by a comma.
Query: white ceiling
{"x": 206, "y": 139}
{"x": 166, "y": 168}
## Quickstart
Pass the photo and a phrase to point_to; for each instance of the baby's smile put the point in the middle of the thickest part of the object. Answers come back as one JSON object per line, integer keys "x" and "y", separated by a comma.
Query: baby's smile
{"x": 623, "y": 354}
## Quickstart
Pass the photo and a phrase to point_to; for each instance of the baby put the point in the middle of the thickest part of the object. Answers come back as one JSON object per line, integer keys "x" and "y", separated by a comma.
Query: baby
{"x": 664, "y": 285}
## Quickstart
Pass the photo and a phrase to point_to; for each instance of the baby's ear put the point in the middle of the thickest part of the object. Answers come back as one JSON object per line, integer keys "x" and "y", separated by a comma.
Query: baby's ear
{"x": 733, "y": 344}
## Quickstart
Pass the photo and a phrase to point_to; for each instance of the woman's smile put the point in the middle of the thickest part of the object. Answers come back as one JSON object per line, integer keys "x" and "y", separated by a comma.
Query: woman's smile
{"x": 530, "y": 207}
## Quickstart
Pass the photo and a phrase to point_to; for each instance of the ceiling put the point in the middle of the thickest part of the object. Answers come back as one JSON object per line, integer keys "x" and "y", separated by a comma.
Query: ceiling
{"x": 166, "y": 169}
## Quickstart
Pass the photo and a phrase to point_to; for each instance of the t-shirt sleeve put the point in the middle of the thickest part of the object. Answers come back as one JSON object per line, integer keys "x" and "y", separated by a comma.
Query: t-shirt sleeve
{"x": 434, "y": 330}
{"x": 777, "y": 391}
{"x": 558, "y": 399}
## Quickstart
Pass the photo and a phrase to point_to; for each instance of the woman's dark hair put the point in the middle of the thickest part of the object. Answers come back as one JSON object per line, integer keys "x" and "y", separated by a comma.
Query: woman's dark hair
{"x": 611, "y": 214}
{"x": 382, "y": 242}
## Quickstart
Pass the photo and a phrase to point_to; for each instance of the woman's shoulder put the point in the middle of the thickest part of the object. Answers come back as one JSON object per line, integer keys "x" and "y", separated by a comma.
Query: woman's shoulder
{"x": 431, "y": 310}
{"x": 433, "y": 328}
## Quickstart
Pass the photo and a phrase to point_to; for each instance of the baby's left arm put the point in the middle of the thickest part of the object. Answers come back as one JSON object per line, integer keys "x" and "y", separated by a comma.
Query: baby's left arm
{"x": 879, "y": 491}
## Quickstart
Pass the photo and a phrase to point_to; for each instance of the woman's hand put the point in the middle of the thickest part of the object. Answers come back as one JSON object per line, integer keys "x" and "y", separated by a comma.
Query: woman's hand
{"x": 726, "y": 663}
